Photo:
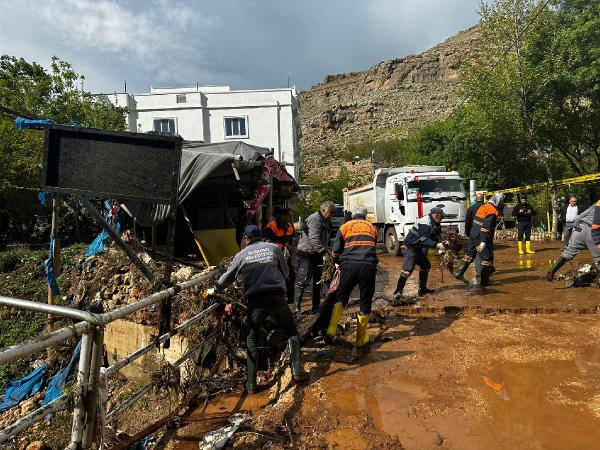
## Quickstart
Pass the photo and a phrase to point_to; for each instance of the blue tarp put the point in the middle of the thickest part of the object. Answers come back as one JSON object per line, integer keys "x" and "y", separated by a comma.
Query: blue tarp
{"x": 23, "y": 124}
{"x": 50, "y": 275}
{"x": 19, "y": 390}
{"x": 42, "y": 198}
{"x": 99, "y": 244}
{"x": 57, "y": 384}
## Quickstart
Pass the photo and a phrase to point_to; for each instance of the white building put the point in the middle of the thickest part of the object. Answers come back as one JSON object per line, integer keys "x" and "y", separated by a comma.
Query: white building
{"x": 265, "y": 117}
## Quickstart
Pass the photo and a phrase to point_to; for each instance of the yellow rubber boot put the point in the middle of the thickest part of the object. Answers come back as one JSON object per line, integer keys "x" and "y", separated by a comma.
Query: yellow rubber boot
{"x": 362, "y": 338}
{"x": 521, "y": 248}
{"x": 528, "y": 247}
{"x": 335, "y": 318}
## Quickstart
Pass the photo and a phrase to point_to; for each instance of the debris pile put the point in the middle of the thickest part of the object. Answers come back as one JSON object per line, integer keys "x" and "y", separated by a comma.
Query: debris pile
{"x": 586, "y": 275}
{"x": 449, "y": 254}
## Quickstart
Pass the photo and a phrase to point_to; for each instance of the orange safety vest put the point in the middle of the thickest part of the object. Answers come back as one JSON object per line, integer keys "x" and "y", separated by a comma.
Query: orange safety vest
{"x": 356, "y": 241}
{"x": 280, "y": 236}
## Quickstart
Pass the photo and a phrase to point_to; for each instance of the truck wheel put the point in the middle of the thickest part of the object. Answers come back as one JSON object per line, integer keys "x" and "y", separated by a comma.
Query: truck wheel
{"x": 391, "y": 241}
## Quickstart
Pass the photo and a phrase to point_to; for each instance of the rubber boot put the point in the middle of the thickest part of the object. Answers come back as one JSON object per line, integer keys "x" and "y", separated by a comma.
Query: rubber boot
{"x": 316, "y": 298}
{"x": 521, "y": 248}
{"x": 333, "y": 323}
{"x": 400, "y": 287}
{"x": 528, "y": 247}
{"x": 362, "y": 338}
{"x": 298, "y": 294}
{"x": 557, "y": 265}
{"x": 251, "y": 383}
{"x": 486, "y": 271}
{"x": 423, "y": 275}
{"x": 298, "y": 373}
{"x": 460, "y": 272}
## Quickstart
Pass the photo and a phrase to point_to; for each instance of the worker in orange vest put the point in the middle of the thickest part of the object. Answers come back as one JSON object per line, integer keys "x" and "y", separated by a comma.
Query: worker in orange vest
{"x": 280, "y": 231}
{"x": 355, "y": 250}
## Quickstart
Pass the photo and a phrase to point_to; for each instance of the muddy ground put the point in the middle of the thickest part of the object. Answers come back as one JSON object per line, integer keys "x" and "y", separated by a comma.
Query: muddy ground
{"x": 459, "y": 378}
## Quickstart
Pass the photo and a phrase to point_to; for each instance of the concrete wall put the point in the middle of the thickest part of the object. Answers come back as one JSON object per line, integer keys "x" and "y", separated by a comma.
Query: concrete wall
{"x": 122, "y": 338}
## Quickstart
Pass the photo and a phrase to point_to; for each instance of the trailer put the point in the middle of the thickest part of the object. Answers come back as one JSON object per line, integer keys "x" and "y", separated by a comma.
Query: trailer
{"x": 399, "y": 196}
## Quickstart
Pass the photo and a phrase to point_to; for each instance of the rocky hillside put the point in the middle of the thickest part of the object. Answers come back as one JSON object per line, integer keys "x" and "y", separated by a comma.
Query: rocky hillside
{"x": 382, "y": 103}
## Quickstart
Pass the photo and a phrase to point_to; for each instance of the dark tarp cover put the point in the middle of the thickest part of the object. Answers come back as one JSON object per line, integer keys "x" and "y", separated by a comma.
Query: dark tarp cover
{"x": 198, "y": 162}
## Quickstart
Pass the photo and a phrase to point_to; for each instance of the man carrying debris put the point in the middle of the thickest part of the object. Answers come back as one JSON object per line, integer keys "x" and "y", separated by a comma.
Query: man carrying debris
{"x": 481, "y": 241}
{"x": 280, "y": 231}
{"x": 584, "y": 236}
{"x": 524, "y": 213}
{"x": 265, "y": 269}
{"x": 354, "y": 250}
{"x": 311, "y": 249}
{"x": 425, "y": 234}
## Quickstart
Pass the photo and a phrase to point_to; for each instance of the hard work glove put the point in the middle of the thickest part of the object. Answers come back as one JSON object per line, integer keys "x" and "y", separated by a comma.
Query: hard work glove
{"x": 480, "y": 247}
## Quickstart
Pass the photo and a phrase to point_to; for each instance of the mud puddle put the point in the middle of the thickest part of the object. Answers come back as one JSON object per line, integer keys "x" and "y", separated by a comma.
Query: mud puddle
{"x": 214, "y": 414}
{"x": 540, "y": 405}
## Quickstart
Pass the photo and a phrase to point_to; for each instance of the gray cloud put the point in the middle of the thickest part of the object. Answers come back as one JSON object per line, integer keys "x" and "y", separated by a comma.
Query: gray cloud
{"x": 245, "y": 43}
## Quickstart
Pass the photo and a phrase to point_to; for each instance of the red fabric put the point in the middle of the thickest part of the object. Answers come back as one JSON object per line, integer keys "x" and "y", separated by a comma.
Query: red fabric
{"x": 271, "y": 169}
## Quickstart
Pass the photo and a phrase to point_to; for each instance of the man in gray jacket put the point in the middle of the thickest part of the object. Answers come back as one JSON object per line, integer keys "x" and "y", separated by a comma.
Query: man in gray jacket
{"x": 313, "y": 244}
{"x": 580, "y": 239}
{"x": 265, "y": 269}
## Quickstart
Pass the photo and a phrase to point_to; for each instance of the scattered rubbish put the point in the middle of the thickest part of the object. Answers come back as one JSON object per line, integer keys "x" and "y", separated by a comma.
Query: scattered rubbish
{"x": 218, "y": 438}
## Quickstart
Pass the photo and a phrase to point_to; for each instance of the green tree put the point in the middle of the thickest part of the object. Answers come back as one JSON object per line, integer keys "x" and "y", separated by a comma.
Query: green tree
{"x": 57, "y": 94}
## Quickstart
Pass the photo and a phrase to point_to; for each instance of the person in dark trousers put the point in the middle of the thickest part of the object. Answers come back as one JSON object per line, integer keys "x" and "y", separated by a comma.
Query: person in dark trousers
{"x": 425, "y": 234}
{"x": 264, "y": 269}
{"x": 280, "y": 231}
{"x": 568, "y": 216}
{"x": 354, "y": 251}
{"x": 584, "y": 236}
{"x": 314, "y": 240}
{"x": 524, "y": 213}
{"x": 481, "y": 241}
{"x": 471, "y": 213}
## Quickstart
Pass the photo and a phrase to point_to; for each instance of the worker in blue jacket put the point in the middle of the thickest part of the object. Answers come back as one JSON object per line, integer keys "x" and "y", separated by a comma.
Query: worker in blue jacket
{"x": 425, "y": 234}
{"x": 264, "y": 269}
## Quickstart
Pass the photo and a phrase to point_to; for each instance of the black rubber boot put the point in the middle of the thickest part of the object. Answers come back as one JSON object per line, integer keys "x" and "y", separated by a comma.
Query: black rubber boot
{"x": 400, "y": 287}
{"x": 298, "y": 294}
{"x": 486, "y": 271}
{"x": 316, "y": 297}
{"x": 423, "y": 275}
{"x": 251, "y": 367}
{"x": 460, "y": 272}
{"x": 298, "y": 373}
{"x": 557, "y": 265}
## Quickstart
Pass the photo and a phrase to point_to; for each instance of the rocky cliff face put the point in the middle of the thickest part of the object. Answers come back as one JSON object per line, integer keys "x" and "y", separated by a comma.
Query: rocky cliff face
{"x": 384, "y": 102}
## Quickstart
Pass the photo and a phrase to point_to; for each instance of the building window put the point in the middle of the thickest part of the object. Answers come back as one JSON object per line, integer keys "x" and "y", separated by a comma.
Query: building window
{"x": 235, "y": 127}
{"x": 181, "y": 98}
{"x": 164, "y": 126}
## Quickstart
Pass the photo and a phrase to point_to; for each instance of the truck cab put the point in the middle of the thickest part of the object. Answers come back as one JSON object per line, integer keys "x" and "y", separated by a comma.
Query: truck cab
{"x": 411, "y": 196}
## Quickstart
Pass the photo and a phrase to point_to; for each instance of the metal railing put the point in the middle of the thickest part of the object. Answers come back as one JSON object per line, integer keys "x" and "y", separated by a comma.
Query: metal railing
{"x": 89, "y": 394}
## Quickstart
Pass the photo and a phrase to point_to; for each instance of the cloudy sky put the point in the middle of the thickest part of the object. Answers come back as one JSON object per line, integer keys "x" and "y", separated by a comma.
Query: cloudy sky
{"x": 247, "y": 44}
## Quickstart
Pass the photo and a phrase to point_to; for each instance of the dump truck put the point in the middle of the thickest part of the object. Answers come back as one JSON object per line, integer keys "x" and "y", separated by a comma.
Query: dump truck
{"x": 399, "y": 196}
